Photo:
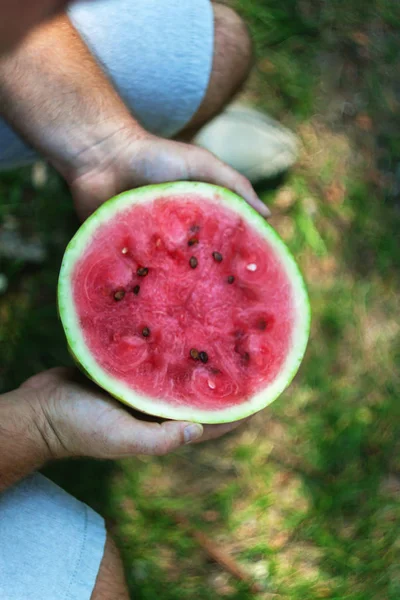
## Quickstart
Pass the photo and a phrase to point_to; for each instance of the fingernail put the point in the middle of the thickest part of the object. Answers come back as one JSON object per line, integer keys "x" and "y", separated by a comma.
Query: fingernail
{"x": 192, "y": 432}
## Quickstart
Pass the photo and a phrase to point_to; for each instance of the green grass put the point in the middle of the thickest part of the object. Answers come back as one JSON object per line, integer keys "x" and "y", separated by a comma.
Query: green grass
{"x": 306, "y": 497}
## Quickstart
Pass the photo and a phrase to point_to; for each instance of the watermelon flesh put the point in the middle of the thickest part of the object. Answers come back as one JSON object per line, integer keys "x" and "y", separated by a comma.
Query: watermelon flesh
{"x": 181, "y": 302}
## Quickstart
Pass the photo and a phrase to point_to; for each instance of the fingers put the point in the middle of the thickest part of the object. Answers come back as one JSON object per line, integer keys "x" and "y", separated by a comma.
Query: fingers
{"x": 212, "y": 432}
{"x": 141, "y": 437}
{"x": 204, "y": 166}
{"x": 90, "y": 423}
{"x": 244, "y": 188}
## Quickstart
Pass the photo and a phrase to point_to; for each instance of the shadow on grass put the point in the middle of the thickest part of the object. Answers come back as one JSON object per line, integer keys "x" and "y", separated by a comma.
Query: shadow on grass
{"x": 88, "y": 480}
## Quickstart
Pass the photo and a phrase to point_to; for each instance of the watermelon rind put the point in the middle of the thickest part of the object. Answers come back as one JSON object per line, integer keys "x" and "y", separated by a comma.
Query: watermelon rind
{"x": 157, "y": 406}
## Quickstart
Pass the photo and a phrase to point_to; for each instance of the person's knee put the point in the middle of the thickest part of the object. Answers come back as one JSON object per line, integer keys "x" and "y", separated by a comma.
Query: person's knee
{"x": 233, "y": 51}
{"x": 232, "y": 62}
{"x": 110, "y": 582}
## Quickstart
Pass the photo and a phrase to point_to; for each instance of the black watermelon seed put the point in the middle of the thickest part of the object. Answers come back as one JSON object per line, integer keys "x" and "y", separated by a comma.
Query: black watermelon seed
{"x": 262, "y": 325}
{"x": 246, "y": 356}
{"x": 146, "y": 332}
{"x": 136, "y": 289}
{"x": 217, "y": 256}
{"x": 194, "y": 354}
{"x": 119, "y": 295}
{"x": 203, "y": 357}
{"x": 193, "y": 241}
{"x": 142, "y": 271}
{"x": 231, "y": 279}
{"x": 193, "y": 262}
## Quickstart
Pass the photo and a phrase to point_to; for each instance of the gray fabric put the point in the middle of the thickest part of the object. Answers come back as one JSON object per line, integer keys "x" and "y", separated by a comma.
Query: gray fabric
{"x": 158, "y": 53}
{"x": 51, "y": 545}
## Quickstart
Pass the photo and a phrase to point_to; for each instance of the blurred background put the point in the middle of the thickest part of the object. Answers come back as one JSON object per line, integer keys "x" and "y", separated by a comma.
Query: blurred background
{"x": 306, "y": 498}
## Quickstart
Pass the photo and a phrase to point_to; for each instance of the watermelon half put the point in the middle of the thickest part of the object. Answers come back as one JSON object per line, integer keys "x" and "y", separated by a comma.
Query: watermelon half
{"x": 182, "y": 302}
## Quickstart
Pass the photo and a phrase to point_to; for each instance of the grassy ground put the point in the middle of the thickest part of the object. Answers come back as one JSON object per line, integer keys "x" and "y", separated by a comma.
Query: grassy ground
{"x": 306, "y": 497}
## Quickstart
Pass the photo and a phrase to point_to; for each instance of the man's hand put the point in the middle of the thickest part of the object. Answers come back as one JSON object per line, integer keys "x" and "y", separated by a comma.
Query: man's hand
{"x": 56, "y": 96}
{"x": 76, "y": 418}
{"x": 126, "y": 161}
{"x": 59, "y": 414}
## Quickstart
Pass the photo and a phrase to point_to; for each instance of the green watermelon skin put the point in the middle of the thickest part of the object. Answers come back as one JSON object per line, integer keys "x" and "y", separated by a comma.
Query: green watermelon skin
{"x": 187, "y": 388}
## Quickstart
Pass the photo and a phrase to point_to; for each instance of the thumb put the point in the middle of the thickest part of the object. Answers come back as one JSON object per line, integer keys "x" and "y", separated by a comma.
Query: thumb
{"x": 142, "y": 437}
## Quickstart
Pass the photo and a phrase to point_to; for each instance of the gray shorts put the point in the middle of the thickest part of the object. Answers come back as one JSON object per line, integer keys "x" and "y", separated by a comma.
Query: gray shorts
{"x": 51, "y": 545}
{"x": 158, "y": 53}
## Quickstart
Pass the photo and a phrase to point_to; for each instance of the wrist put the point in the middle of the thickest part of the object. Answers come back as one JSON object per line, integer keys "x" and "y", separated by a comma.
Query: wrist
{"x": 55, "y": 95}
{"x": 23, "y": 446}
{"x": 42, "y": 393}
{"x": 100, "y": 151}
{"x": 108, "y": 168}
{"x": 95, "y": 149}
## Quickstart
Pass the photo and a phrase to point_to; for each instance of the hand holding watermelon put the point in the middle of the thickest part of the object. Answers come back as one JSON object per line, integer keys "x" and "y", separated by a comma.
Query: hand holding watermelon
{"x": 76, "y": 418}
{"x": 130, "y": 159}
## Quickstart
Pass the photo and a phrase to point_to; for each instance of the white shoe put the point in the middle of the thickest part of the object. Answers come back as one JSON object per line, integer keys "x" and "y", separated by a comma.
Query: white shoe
{"x": 250, "y": 142}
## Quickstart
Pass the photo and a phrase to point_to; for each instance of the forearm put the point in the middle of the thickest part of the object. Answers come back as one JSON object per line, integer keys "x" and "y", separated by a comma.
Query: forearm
{"x": 56, "y": 96}
{"x": 23, "y": 448}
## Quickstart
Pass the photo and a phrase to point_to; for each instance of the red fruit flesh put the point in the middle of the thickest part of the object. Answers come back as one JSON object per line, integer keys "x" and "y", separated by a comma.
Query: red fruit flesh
{"x": 145, "y": 337}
